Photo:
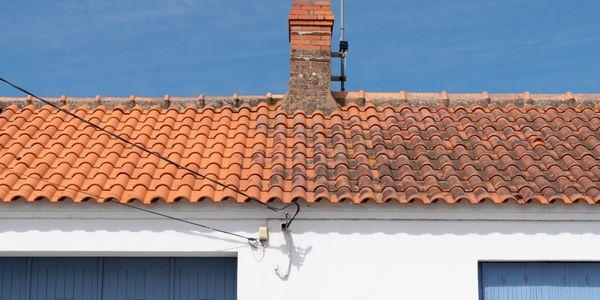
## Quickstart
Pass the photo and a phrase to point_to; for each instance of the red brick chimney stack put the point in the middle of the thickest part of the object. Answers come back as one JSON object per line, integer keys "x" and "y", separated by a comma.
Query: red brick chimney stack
{"x": 310, "y": 29}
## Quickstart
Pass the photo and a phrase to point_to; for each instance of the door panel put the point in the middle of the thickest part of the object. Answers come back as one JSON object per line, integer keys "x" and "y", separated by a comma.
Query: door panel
{"x": 13, "y": 278}
{"x": 64, "y": 279}
{"x": 540, "y": 280}
{"x": 136, "y": 279}
{"x": 118, "y": 278}
{"x": 205, "y": 279}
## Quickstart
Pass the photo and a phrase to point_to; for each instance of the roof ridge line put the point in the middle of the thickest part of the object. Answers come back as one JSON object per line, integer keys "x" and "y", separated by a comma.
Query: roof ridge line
{"x": 343, "y": 98}
{"x": 454, "y": 99}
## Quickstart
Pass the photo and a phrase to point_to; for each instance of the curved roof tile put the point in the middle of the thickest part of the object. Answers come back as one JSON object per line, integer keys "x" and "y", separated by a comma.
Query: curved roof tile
{"x": 377, "y": 152}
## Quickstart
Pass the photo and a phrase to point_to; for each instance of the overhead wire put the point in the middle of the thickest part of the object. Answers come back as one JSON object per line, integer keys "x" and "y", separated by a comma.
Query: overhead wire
{"x": 158, "y": 155}
{"x": 109, "y": 200}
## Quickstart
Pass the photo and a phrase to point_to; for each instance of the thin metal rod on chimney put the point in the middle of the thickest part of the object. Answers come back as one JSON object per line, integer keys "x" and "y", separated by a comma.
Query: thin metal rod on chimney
{"x": 342, "y": 39}
{"x": 342, "y": 22}
{"x": 341, "y": 53}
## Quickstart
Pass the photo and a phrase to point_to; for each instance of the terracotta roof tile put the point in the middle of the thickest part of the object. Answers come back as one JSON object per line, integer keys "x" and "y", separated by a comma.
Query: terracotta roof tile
{"x": 413, "y": 150}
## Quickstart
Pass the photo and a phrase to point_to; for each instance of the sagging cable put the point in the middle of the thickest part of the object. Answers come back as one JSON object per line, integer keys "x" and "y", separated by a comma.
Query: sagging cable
{"x": 251, "y": 241}
{"x": 159, "y": 156}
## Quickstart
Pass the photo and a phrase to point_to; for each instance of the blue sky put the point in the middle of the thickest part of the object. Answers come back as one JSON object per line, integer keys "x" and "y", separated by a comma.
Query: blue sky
{"x": 183, "y": 47}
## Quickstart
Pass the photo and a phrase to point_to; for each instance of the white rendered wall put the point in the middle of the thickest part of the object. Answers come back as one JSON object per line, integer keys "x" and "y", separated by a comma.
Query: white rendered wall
{"x": 339, "y": 251}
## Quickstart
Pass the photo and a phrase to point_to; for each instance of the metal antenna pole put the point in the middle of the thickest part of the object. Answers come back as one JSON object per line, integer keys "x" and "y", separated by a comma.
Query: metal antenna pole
{"x": 341, "y": 54}
{"x": 342, "y": 38}
{"x": 342, "y": 23}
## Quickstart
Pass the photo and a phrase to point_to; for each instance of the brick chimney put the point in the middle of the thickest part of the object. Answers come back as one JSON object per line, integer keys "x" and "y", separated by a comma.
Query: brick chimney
{"x": 310, "y": 28}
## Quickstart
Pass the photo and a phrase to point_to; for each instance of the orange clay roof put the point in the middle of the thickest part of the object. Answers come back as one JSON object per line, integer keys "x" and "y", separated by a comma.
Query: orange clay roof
{"x": 391, "y": 147}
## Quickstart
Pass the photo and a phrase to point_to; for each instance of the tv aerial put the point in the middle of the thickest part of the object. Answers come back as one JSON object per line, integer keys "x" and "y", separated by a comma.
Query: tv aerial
{"x": 342, "y": 52}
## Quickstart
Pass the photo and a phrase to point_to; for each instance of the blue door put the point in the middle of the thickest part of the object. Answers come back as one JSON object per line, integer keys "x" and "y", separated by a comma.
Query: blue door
{"x": 13, "y": 279}
{"x": 218, "y": 276}
{"x": 117, "y": 278}
{"x": 539, "y": 281}
{"x": 64, "y": 278}
{"x": 136, "y": 279}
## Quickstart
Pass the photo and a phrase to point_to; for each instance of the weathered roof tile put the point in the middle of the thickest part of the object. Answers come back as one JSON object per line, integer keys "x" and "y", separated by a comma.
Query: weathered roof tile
{"x": 463, "y": 150}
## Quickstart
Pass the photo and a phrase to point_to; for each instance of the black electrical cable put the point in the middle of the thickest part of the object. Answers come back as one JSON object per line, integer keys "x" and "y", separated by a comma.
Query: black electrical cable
{"x": 135, "y": 145}
{"x": 249, "y": 239}
{"x": 290, "y": 220}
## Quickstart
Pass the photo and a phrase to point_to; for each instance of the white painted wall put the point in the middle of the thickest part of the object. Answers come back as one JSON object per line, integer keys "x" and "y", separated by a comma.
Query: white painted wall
{"x": 339, "y": 251}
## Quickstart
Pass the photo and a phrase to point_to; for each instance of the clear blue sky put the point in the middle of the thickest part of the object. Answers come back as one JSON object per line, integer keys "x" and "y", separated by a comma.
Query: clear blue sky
{"x": 183, "y": 47}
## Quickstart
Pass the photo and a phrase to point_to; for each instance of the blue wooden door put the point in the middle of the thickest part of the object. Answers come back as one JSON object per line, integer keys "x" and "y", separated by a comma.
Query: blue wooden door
{"x": 64, "y": 279}
{"x": 136, "y": 279}
{"x": 540, "y": 281}
{"x": 13, "y": 278}
{"x": 118, "y": 278}
{"x": 204, "y": 279}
